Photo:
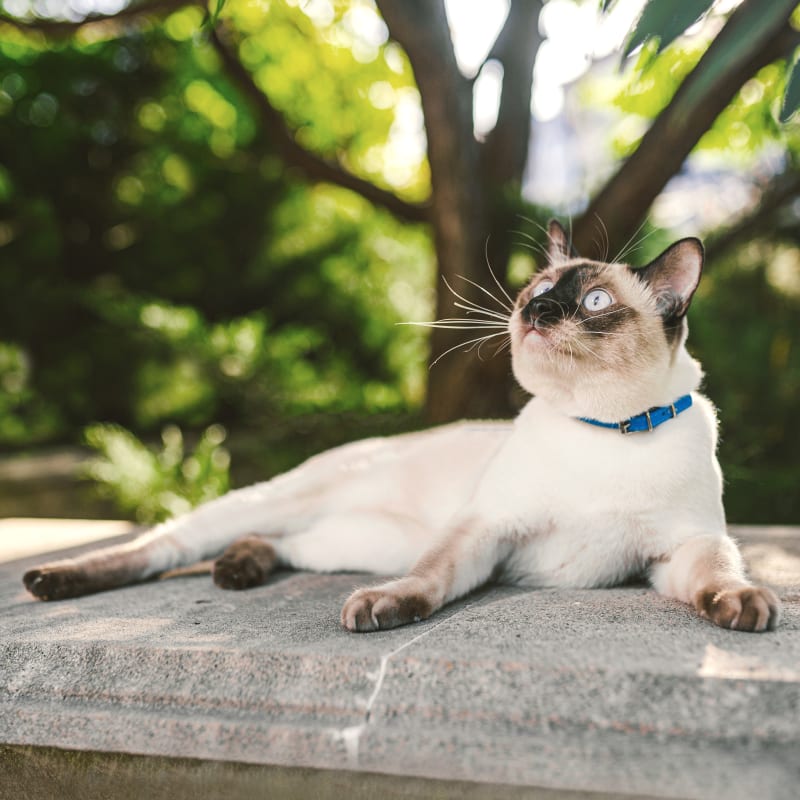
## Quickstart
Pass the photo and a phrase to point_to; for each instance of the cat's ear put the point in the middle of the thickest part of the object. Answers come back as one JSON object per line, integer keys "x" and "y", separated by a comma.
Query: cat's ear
{"x": 674, "y": 276}
{"x": 559, "y": 248}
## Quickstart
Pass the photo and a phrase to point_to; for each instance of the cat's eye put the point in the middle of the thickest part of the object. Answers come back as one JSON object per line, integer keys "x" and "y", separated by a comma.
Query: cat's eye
{"x": 544, "y": 286}
{"x": 597, "y": 300}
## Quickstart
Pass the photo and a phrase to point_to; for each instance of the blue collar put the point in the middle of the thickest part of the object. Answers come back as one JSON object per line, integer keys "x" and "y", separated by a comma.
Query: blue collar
{"x": 651, "y": 418}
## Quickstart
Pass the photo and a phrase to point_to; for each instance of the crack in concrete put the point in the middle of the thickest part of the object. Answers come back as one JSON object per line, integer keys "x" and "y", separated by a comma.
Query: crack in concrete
{"x": 351, "y": 736}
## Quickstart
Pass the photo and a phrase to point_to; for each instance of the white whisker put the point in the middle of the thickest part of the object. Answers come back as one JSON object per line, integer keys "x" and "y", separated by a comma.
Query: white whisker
{"x": 440, "y": 324}
{"x": 633, "y": 237}
{"x": 591, "y": 352}
{"x": 605, "y": 244}
{"x": 494, "y": 277}
{"x": 481, "y": 344}
{"x": 478, "y": 310}
{"x": 486, "y": 292}
{"x": 636, "y": 246}
{"x": 502, "y": 346}
{"x": 536, "y": 246}
{"x": 600, "y": 316}
{"x": 472, "y": 342}
{"x": 473, "y": 306}
{"x": 605, "y": 333}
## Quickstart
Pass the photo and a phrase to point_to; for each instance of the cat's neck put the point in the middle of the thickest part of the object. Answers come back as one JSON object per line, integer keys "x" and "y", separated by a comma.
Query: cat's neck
{"x": 610, "y": 398}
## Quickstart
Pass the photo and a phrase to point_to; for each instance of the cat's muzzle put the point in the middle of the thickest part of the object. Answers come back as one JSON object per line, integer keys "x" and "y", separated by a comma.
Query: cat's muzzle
{"x": 542, "y": 312}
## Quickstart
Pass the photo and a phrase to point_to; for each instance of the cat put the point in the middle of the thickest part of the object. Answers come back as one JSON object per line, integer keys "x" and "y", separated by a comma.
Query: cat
{"x": 558, "y": 498}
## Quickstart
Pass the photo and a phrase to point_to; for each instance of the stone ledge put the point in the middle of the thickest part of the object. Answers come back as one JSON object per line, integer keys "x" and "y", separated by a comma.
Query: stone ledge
{"x": 99, "y": 776}
{"x": 617, "y": 691}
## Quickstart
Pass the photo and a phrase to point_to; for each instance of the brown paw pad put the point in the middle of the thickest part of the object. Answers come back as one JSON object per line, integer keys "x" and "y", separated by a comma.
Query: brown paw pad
{"x": 750, "y": 608}
{"x": 379, "y": 609}
{"x": 244, "y": 564}
{"x": 54, "y": 583}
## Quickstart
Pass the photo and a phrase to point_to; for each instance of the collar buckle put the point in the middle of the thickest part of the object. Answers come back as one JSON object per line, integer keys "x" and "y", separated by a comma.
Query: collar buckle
{"x": 625, "y": 427}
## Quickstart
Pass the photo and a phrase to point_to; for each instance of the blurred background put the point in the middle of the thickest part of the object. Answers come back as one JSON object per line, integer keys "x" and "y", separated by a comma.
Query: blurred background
{"x": 213, "y": 218}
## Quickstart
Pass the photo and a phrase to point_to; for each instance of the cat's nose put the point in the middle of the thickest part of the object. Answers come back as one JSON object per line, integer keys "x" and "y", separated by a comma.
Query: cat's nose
{"x": 541, "y": 310}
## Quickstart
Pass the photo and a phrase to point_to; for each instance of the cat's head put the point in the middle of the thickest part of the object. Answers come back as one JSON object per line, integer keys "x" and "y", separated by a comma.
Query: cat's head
{"x": 606, "y": 339}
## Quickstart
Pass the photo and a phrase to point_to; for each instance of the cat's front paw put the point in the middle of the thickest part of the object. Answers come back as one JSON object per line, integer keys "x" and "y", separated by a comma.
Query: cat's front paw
{"x": 55, "y": 582}
{"x": 749, "y": 608}
{"x": 387, "y": 606}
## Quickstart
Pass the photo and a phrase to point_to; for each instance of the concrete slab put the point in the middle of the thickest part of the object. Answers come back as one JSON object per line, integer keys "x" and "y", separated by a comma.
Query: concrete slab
{"x": 615, "y": 691}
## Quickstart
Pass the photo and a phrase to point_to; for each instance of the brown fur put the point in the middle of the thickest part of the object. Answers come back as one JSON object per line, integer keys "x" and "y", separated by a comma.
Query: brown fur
{"x": 748, "y": 608}
{"x": 378, "y": 609}
{"x": 246, "y": 563}
{"x": 66, "y": 579}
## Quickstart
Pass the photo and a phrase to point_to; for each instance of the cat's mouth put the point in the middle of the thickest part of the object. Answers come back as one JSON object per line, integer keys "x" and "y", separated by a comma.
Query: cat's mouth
{"x": 535, "y": 330}
{"x": 540, "y": 335}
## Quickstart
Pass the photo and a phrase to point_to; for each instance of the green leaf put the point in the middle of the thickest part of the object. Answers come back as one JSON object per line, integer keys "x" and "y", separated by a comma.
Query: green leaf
{"x": 605, "y": 5}
{"x": 791, "y": 98}
{"x": 665, "y": 20}
{"x": 747, "y": 31}
{"x": 212, "y": 17}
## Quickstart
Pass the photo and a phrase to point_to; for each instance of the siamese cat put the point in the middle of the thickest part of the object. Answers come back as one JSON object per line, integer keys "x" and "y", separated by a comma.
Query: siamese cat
{"x": 608, "y": 473}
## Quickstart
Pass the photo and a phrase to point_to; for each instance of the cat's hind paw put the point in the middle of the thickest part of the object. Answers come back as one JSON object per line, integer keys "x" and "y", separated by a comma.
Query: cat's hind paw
{"x": 749, "y": 608}
{"x": 388, "y": 606}
{"x": 245, "y": 564}
{"x": 56, "y": 582}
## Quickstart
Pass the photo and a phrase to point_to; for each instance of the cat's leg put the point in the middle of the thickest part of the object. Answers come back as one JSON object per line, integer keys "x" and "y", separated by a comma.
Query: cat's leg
{"x": 708, "y": 573}
{"x": 273, "y": 507}
{"x": 354, "y": 541}
{"x": 462, "y": 560}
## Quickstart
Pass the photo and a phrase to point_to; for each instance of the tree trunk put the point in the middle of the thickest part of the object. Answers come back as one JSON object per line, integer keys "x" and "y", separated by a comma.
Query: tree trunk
{"x": 467, "y": 188}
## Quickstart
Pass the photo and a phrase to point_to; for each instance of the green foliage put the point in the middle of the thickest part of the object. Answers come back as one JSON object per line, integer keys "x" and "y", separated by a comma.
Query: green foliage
{"x": 645, "y": 92}
{"x": 24, "y": 417}
{"x": 665, "y": 21}
{"x": 748, "y": 125}
{"x": 744, "y": 330}
{"x": 165, "y": 268}
{"x": 157, "y": 484}
{"x": 740, "y": 133}
{"x": 331, "y": 71}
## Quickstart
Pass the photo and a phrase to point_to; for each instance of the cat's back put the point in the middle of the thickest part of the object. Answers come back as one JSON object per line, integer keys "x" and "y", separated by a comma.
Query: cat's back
{"x": 426, "y": 474}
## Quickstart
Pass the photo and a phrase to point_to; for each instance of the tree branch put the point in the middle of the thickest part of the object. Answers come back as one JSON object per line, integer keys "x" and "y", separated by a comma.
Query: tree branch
{"x": 505, "y": 150}
{"x": 314, "y": 166}
{"x": 64, "y": 28}
{"x": 753, "y": 37}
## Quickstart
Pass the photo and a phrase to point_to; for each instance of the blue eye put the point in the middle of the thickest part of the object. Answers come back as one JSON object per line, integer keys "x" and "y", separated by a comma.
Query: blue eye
{"x": 544, "y": 286}
{"x": 597, "y": 300}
